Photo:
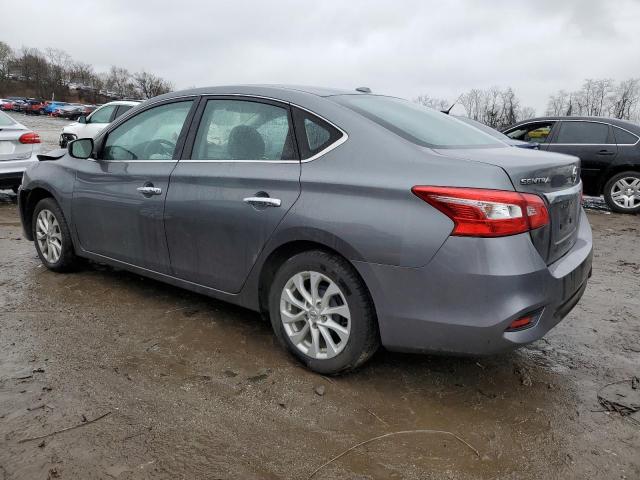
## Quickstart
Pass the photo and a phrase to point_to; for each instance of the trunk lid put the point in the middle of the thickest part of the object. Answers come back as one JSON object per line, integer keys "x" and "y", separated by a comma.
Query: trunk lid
{"x": 10, "y": 146}
{"x": 555, "y": 177}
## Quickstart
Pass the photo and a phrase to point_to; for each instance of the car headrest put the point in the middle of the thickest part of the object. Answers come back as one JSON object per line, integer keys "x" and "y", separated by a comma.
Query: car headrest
{"x": 245, "y": 143}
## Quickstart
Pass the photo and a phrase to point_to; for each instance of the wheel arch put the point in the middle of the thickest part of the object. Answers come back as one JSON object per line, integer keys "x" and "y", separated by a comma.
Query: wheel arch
{"x": 28, "y": 201}
{"x": 285, "y": 251}
{"x": 613, "y": 171}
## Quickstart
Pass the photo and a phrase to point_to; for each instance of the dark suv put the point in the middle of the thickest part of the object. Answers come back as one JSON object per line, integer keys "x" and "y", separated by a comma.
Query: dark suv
{"x": 608, "y": 148}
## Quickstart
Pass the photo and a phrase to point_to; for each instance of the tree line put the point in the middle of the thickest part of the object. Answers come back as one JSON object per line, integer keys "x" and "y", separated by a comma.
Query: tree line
{"x": 499, "y": 108}
{"x": 51, "y": 72}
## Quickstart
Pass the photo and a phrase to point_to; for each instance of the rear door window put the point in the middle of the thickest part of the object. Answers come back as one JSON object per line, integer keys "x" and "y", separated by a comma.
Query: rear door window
{"x": 582, "y": 133}
{"x": 313, "y": 133}
{"x": 538, "y": 132}
{"x": 244, "y": 130}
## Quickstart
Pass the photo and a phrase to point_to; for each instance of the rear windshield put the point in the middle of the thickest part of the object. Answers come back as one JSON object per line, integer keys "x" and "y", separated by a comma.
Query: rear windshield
{"x": 420, "y": 125}
{"x": 6, "y": 120}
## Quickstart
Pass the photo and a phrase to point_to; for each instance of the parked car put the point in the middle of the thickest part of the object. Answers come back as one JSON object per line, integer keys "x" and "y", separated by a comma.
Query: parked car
{"x": 34, "y": 107}
{"x": 6, "y": 104}
{"x": 18, "y": 105}
{"x": 496, "y": 134}
{"x": 18, "y": 149}
{"x": 90, "y": 126}
{"x": 50, "y": 107}
{"x": 608, "y": 148}
{"x": 379, "y": 220}
{"x": 72, "y": 111}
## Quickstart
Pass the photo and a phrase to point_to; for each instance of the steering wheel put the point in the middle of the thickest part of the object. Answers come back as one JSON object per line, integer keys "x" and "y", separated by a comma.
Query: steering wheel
{"x": 159, "y": 146}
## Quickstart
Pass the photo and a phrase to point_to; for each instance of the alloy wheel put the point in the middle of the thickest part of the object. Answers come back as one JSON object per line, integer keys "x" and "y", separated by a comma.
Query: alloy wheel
{"x": 48, "y": 236}
{"x": 315, "y": 315}
{"x": 625, "y": 193}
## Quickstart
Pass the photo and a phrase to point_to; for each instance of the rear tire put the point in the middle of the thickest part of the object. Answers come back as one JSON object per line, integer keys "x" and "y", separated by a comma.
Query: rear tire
{"x": 622, "y": 192}
{"x": 52, "y": 238}
{"x": 336, "y": 328}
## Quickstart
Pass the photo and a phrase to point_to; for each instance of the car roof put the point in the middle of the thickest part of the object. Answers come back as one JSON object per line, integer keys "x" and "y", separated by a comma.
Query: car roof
{"x": 133, "y": 103}
{"x": 626, "y": 124}
{"x": 289, "y": 93}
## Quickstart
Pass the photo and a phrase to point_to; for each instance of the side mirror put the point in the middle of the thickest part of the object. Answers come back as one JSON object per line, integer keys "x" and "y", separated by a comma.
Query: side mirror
{"x": 81, "y": 148}
{"x": 82, "y": 119}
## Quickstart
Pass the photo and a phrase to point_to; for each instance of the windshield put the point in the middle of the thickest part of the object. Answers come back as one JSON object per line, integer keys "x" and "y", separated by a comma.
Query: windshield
{"x": 420, "y": 125}
{"x": 6, "y": 120}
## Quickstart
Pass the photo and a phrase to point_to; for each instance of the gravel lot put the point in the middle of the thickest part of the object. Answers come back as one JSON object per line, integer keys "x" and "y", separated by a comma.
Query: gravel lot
{"x": 196, "y": 388}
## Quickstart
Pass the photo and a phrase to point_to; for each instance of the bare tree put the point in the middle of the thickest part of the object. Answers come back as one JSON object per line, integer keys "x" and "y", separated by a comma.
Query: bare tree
{"x": 119, "y": 80}
{"x": 150, "y": 85}
{"x": 6, "y": 58}
{"x": 432, "y": 102}
{"x": 625, "y": 99}
{"x": 558, "y": 103}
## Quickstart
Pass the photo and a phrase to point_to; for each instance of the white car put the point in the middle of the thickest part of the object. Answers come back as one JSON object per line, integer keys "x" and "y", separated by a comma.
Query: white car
{"x": 89, "y": 127}
{"x": 18, "y": 149}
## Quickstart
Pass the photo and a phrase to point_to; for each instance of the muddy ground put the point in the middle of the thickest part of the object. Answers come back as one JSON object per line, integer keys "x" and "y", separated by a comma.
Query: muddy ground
{"x": 196, "y": 388}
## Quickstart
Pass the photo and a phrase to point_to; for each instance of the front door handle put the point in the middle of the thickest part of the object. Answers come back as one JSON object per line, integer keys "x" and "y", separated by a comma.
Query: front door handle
{"x": 264, "y": 201}
{"x": 605, "y": 152}
{"x": 149, "y": 190}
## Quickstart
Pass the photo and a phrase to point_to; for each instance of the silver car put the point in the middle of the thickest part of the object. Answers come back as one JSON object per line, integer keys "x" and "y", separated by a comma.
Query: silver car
{"x": 18, "y": 149}
{"x": 348, "y": 219}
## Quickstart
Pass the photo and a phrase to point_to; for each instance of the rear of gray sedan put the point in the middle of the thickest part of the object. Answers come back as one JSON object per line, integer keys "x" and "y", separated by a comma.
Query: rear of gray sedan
{"x": 18, "y": 149}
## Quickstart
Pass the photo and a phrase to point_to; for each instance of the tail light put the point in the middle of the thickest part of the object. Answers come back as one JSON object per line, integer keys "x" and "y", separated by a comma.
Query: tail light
{"x": 486, "y": 213}
{"x": 29, "y": 137}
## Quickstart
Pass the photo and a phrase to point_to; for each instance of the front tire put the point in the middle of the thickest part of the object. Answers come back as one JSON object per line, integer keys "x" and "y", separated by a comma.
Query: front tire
{"x": 622, "y": 192}
{"x": 52, "y": 238}
{"x": 322, "y": 313}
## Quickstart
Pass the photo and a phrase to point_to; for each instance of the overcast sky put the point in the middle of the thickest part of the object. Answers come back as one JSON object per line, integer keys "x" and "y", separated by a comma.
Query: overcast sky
{"x": 405, "y": 48}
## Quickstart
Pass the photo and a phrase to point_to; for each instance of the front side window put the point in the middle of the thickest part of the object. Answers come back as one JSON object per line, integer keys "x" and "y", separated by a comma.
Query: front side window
{"x": 583, "y": 133}
{"x": 102, "y": 115}
{"x": 420, "y": 125}
{"x": 243, "y": 130}
{"x": 531, "y": 132}
{"x": 150, "y": 135}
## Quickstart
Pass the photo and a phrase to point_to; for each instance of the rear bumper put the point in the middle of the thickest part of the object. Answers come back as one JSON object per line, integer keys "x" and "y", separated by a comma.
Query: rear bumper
{"x": 465, "y": 298}
{"x": 11, "y": 171}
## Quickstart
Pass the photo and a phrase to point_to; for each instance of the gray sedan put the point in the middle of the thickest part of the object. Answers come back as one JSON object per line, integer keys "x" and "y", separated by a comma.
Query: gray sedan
{"x": 349, "y": 219}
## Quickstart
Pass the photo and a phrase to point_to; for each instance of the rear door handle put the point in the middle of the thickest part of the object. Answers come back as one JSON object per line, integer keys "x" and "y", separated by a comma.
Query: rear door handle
{"x": 265, "y": 201}
{"x": 606, "y": 152}
{"x": 148, "y": 190}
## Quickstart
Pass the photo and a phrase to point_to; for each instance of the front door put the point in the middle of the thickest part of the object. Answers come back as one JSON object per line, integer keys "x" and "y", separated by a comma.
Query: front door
{"x": 118, "y": 197}
{"x": 239, "y": 176}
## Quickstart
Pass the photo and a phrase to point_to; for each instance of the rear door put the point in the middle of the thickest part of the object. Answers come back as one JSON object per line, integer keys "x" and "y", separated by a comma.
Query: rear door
{"x": 239, "y": 176}
{"x": 118, "y": 197}
{"x": 593, "y": 142}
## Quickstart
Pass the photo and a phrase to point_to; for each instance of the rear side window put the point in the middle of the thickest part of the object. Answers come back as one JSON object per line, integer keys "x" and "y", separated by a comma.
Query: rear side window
{"x": 415, "y": 123}
{"x": 244, "y": 130}
{"x": 122, "y": 109}
{"x": 583, "y": 133}
{"x": 623, "y": 137}
{"x": 314, "y": 134}
{"x": 531, "y": 132}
